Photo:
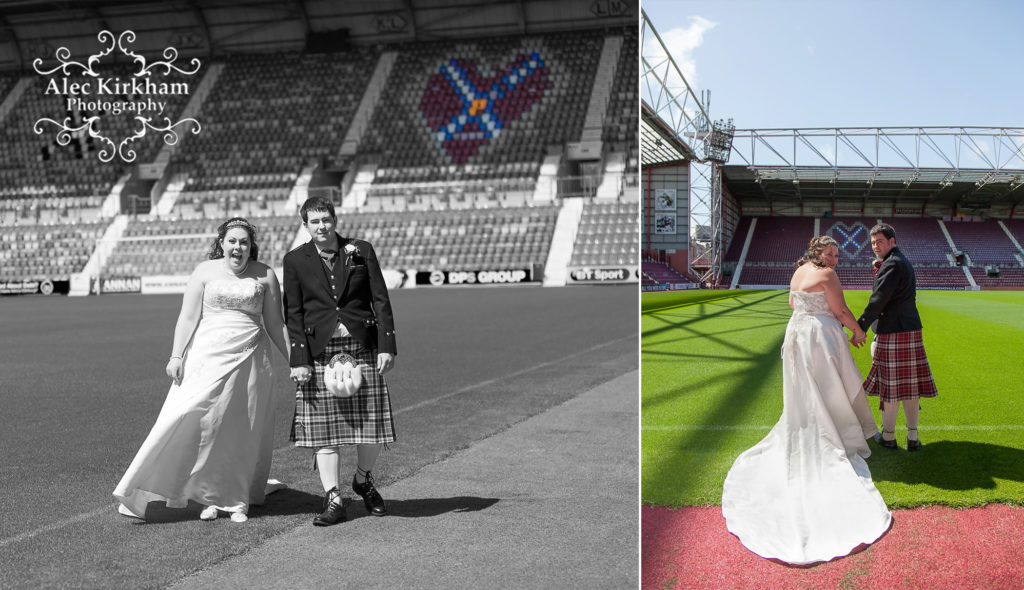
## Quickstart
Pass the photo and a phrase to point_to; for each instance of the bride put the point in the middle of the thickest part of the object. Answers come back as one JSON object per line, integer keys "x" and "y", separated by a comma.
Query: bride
{"x": 804, "y": 493}
{"x": 213, "y": 440}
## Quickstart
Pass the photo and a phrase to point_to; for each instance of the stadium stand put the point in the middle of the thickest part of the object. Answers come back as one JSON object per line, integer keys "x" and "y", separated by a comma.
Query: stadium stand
{"x": 659, "y": 273}
{"x": 1012, "y": 277}
{"x": 39, "y": 167}
{"x": 175, "y": 246}
{"x": 778, "y": 242}
{"x": 266, "y": 117}
{"x": 607, "y": 235}
{"x": 983, "y": 241}
{"x": 479, "y": 240}
{"x": 921, "y": 240}
{"x": 533, "y": 89}
{"x": 621, "y": 125}
{"x": 36, "y": 252}
{"x": 440, "y": 198}
{"x": 1016, "y": 227}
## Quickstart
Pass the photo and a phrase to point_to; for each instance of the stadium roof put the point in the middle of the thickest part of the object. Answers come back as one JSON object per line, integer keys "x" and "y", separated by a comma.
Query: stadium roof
{"x": 658, "y": 143}
{"x": 34, "y": 28}
{"x": 966, "y": 165}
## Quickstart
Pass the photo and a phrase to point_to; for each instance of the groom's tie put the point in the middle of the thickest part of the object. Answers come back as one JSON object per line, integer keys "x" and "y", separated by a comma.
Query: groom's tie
{"x": 329, "y": 257}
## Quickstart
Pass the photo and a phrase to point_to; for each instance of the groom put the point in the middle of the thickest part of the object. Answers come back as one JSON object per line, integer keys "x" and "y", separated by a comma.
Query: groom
{"x": 899, "y": 366}
{"x": 336, "y": 302}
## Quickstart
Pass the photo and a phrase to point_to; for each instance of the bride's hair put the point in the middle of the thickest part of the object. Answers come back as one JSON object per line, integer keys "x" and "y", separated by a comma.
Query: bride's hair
{"x": 217, "y": 251}
{"x": 814, "y": 250}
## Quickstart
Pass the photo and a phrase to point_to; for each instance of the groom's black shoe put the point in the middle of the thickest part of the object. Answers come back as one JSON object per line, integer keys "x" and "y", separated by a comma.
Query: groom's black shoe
{"x": 371, "y": 498}
{"x": 334, "y": 509}
{"x": 888, "y": 444}
{"x": 913, "y": 445}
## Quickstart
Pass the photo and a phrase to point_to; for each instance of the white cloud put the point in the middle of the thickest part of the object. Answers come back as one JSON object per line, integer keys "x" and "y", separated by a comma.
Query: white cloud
{"x": 682, "y": 41}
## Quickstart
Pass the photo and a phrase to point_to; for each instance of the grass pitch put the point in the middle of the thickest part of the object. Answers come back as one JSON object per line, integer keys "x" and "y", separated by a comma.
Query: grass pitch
{"x": 712, "y": 387}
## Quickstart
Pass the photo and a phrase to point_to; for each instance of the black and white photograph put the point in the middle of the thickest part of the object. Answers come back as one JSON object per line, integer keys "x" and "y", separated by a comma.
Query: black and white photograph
{"x": 320, "y": 294}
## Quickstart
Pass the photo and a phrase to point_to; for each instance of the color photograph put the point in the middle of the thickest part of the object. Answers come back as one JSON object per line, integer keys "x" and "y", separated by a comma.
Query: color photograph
{"x": 828, "y": 339}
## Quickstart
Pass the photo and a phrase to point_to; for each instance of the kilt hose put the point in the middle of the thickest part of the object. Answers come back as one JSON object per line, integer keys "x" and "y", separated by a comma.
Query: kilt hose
{"x": 322, "y": 420}
{"x": 899, "y": 368}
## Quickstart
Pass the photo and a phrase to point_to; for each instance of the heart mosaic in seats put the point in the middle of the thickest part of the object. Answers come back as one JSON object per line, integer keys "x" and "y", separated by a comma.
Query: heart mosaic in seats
{"x": 465, "y": 109}
{"x": 852, "y": 239}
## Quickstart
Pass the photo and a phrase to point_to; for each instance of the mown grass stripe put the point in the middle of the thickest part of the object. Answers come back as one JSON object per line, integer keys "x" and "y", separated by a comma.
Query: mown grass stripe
{"x": 711, "y": 386}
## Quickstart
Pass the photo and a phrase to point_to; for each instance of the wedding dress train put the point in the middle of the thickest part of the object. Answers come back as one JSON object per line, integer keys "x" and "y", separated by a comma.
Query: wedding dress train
{"x": 804, "y": 493}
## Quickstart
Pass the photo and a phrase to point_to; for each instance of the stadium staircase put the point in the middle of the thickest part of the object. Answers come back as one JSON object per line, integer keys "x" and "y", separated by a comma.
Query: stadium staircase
{"x": 170, "y": 195}
{"x": 560, "y": 253}
{"x": 611, "y": 179}
{"x": 743, "y": 254}
{"x": 589, "y": 145}
{"x": 112, "y": 203}
{"x": 547, "y": 182}
{"x": 364, "y": 113}
{"x": 191, "y": 110}
{"x": 300, "y": 189}
{"x": 80, "y": 281}
{"x": 13, "y": 97}
{"x": 357, "y": 194}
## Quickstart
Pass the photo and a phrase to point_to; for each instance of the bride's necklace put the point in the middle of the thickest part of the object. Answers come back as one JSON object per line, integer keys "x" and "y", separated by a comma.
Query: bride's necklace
{"x": 232, "y": 271}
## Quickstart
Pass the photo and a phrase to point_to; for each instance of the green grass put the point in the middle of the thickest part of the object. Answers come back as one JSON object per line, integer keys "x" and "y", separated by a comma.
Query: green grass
{"x": 712, "y": 387}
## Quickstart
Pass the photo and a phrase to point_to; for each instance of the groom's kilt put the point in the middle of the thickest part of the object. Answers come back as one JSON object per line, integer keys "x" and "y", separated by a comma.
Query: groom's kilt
{"x": 322, "y": 420}
{"x": 899, "y": 370}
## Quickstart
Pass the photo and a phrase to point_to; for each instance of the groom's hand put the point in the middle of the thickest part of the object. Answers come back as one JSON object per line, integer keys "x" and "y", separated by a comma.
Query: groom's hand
{"x": 385, "y": 361}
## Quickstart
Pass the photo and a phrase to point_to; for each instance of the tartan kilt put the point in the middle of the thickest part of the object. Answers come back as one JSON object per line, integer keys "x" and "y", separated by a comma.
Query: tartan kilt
{"x": 899, "y": 368}
{"x": 322, "y": 420}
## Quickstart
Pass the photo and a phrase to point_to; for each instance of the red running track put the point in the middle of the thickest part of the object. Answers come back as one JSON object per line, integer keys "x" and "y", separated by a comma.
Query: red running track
{"x": 933, "y": 547}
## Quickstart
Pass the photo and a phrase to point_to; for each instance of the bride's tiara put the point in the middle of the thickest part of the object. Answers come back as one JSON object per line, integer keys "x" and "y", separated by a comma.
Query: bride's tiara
{"x": 241, "y": 223}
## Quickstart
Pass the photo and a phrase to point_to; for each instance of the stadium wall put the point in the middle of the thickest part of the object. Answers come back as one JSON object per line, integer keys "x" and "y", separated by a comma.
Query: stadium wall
{"x": 666, "y": 214}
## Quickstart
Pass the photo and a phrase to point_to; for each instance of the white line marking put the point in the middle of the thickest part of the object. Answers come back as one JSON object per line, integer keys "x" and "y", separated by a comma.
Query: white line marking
{"x": 56, "y": 525}
{"x": 509, "y": 376}
{"x": 924, "y": 428}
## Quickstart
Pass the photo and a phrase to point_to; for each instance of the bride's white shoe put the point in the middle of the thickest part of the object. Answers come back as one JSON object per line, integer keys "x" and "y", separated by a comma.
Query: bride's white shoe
{"x": 239, "y": 517}
{"x": 122, "y": 509}
{"x": 208, "y": 513}
{"x": 274, "y": 485}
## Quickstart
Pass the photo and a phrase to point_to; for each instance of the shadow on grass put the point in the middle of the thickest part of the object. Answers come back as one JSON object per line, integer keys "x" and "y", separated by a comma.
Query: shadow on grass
{"x": 655, "y": 302}
{"x": 702, "y": 315}
{"x": 949, "y": 465}
{"x": 672, "y": 478}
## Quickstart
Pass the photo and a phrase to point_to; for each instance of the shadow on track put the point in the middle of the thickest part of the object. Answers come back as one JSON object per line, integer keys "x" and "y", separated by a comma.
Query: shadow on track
{"x": 426, "y": 507}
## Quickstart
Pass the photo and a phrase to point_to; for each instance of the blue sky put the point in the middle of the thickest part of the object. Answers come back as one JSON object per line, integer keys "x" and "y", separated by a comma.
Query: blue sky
{"x": 864, "y": 63}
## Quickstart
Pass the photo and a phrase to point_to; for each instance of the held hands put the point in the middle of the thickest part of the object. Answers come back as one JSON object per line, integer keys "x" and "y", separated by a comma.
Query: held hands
{"x": 858, "y": 338}
{"x": 301, "y": 374}
{"x": 385, "y": 362}
{"x": 174, "y": 369}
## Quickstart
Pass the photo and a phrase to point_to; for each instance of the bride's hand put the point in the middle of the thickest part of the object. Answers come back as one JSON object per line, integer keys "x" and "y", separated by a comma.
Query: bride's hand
{"x": 174, "y": 369}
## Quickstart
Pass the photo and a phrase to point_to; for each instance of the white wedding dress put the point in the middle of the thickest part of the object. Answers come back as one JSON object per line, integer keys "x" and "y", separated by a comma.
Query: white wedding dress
{"x": 213, "y": 440}
{"x": 804, "y": 493}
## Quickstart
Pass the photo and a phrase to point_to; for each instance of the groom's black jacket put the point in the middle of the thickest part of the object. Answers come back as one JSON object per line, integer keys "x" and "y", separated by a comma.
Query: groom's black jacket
{"x": 361, "y": 302}
{"x": 893, "y": 298}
